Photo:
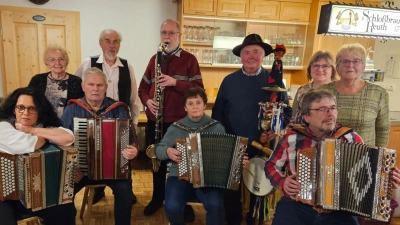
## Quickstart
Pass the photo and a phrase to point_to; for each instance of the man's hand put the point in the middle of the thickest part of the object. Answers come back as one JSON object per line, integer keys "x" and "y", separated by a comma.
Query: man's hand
{"x": 152, "y": 105}
{"x": 271, "y": 135}
{"x": 78, "y": 175}
{"x": 130, "y": 152}
{"x": 291, "y": 186}
{"x": 245, "y": 161}
{"x": 23, "y": 128}
{"x": 165, "y": 80}
{"x": 174, "y": 154}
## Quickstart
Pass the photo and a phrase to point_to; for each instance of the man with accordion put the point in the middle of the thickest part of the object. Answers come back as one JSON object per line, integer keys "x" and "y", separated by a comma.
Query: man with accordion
{"x": 319, "y": 112}
{"x": 96, "y": 105}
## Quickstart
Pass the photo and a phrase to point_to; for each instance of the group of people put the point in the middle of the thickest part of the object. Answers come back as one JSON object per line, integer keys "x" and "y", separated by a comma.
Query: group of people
{"x": 44, "y": 111}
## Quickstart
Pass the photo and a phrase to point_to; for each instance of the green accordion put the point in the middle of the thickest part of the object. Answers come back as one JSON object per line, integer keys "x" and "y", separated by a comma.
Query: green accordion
{"x": 212, "y": 159}
{"x": 40, "y": 179}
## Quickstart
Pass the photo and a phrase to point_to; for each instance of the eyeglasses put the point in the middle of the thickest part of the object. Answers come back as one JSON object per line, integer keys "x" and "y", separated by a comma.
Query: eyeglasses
{"x": 317, "y": 66}
{"x": 21, "y": 109}
{"x": 347, "y": 62}
{"x": 54, "y": 60}
{"x": 109, "y": 42}
{"x": 325, "y": 110}
{"x": 170, "y": 33}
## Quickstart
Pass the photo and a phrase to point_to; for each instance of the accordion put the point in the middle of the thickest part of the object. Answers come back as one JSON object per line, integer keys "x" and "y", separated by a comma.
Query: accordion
{"x": 40, "y": 179}
{"x": 101, "y": 142}
{"x": 211, "y": 159}
{"x": 346, "y": 176}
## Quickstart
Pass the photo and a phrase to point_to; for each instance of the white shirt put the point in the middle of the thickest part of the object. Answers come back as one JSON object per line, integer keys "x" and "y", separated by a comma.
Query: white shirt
{"x": 112, "y": 73}
{"x": 15, "y": 142}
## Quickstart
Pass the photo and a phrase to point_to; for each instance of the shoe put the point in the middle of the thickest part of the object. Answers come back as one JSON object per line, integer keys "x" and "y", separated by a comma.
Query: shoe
{"x": 134, "y": 200}
{"x": 152, "y": 207}
{"x": 189, "y": 214}
{"x": 98, "y": 196}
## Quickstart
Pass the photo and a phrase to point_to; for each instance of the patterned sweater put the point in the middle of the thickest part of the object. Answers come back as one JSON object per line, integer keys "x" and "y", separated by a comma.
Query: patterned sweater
{"x": 367, "y": 112}
{"x": 175, "y": 132}
{"x": 296, "y": 113}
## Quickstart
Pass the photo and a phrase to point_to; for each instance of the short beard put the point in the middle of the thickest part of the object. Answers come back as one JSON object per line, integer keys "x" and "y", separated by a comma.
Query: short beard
{"x": 110, "y": 58}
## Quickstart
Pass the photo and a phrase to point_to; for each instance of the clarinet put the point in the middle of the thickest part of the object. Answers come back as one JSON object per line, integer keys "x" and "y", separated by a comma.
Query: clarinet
{"x": 159, "y": 98}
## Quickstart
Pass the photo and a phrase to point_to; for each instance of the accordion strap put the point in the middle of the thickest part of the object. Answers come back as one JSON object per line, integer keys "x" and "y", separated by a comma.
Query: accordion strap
{"x": 184, "y": 127}
{"x": 85, "y": 105}
{"x": 339, "y": 132}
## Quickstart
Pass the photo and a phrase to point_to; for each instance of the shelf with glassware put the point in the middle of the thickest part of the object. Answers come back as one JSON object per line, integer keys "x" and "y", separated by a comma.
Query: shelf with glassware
{"x": 211, "y": 40}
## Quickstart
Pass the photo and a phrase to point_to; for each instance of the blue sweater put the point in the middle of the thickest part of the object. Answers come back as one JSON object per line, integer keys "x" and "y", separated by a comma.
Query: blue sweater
{"x": 236, "y": 105}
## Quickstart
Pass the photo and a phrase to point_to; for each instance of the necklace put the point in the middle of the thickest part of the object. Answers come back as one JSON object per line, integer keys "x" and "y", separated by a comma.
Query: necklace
{"x": 51, "y": 76}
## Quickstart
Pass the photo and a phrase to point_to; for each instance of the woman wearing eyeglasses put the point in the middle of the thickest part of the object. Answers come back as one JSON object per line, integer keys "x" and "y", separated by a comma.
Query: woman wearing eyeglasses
{"x": 362, "y": 106}
{"x": 27, "y": 121}
{"x": 57, "y": 85}
{"x": 321, "y": 70}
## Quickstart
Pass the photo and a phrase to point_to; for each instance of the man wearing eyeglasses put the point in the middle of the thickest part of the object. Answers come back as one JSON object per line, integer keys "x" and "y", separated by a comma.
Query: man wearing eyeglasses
{"x": 319, "y": 112}
{"x": 121, "y": 81}
{"x": 179, "y": 72}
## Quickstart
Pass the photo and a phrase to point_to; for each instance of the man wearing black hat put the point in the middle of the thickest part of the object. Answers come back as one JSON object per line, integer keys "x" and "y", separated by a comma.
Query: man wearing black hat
{"x": 236, "y": 107}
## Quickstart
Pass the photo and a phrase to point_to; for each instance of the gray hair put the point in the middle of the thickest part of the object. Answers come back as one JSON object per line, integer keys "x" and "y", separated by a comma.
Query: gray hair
{"x": 178, "y": 25}
{"x": 94, "y": 70}
{"x": 312, "y": 96}
{"x": 108, "y": 31}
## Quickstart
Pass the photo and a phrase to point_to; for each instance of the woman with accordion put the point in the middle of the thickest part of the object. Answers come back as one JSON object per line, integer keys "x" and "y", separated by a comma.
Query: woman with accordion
{"x": 27, "y": 122}
{"x": 178, "y": 191}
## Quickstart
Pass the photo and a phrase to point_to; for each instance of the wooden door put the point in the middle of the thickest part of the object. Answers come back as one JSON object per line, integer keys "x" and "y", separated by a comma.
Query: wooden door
{"x": 263, "y": 9}
{"x": 295, "y": 11}
{"x": 233, "y": 8}
{"x": 200, "y": 7}
{"x": 25, "y": 39}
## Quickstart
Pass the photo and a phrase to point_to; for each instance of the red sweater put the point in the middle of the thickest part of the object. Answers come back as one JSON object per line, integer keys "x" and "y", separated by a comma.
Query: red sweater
{"x": 182, "y": 66}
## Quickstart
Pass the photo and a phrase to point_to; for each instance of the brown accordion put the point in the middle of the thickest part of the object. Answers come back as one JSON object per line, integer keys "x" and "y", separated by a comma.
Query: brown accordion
{"x": 347, "y": 176}
{"x": 211, "y": 159}
{"x": 40, "y": 179}
{"x": 101, "y": 142}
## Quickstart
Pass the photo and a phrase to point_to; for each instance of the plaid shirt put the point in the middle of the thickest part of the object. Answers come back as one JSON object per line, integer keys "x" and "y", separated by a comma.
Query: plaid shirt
{"x": 284, "y": 156}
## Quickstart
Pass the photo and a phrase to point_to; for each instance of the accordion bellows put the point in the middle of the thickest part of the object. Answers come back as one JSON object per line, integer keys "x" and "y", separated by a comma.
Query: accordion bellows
{"x": 346, "y": 176}
{"x": 101, "y": 142}
{"x": 40, "y": 179}
{"x": 212, "y": 159}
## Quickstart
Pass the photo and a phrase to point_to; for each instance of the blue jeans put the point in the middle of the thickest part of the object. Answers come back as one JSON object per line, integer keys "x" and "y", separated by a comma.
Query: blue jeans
{"x": 289, "y": 211}
{"x": 177, "y": 193}
{"x": 123, "y": 197}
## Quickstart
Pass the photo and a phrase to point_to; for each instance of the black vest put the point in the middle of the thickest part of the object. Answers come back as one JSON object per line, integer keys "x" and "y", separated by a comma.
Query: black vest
{"x": 124, "y": 82}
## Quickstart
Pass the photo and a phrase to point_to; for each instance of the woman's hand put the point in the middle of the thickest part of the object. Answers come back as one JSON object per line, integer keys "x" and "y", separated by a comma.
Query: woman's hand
{"x": 130, "y": 152}
{"x": 396, "y": 177}
{"x": 245, "y": 160}
{"x": 174, "y": 154}
{"x": 23, "y": 128}
{"x": 291, "y": 186}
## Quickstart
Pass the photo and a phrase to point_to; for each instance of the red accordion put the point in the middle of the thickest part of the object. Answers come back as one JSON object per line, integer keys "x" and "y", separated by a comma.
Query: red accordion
{"x": 101, "y": 142}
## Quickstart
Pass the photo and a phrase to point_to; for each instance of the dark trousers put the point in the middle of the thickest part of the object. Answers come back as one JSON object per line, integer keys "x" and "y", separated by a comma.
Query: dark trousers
{"x": 159, "y": 176}
{"x": 123, "y": 197}
{"x": 177, "y": 194}
{"x": 12, "y": 211}
{"x": 233, "y": 207}
{"x": 289, "y": 211}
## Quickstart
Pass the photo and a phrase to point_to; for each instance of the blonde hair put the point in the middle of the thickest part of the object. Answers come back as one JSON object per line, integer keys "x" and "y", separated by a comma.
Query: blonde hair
{"x": 347, "y": 49}
{"x": 53, "y": 48}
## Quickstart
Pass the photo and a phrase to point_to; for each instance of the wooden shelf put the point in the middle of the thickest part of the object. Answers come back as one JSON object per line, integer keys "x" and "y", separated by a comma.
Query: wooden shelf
{"x": 238, "y": 66}
{"x": 204, "y": 44}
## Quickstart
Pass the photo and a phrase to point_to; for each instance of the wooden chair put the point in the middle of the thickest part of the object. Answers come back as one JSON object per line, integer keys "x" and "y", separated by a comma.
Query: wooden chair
{"x": 88, "y": 199}
{"x": 30, "y": 221}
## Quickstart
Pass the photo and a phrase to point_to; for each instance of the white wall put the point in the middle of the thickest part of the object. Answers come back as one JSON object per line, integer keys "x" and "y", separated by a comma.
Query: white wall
{"x": 388, "y": 48}
{"x": 138, "y": 21}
